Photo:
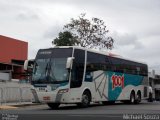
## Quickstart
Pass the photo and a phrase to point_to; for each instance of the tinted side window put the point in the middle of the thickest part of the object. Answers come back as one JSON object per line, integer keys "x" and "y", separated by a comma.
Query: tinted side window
{"x": 96, "y": 62}
{"x": 128, "y": 67}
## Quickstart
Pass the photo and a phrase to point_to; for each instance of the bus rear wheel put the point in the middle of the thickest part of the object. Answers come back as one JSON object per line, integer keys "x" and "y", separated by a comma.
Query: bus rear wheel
{"x": 53, "y": 105}
{"x": 150, "y": 99}
{"x": 86, "y": 99}
{"x": 132, "y": 98}
{"x": 138, "y": 98}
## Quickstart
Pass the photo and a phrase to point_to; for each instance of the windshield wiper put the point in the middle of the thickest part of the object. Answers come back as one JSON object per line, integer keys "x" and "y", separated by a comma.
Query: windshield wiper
{"x": 51, "y": 75}
{"x": 45, "y": 74}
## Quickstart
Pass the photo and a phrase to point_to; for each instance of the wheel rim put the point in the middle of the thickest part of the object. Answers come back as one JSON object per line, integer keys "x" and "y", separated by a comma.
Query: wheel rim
{"x": 138, "y": 97}
{"x": 85, "y": 99}
{"x": 132, "y": 99}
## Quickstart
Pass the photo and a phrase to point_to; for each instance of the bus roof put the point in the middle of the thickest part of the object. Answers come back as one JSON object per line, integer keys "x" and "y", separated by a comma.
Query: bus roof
{"x": 99, "y": 52}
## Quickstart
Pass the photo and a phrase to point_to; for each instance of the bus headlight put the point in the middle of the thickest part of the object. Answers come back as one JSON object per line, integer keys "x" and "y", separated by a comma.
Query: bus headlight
{"x": 63, "y": 91}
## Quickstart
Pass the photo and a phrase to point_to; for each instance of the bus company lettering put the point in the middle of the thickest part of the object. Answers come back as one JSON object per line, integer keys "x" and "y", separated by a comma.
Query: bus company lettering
{"x": 117, "y": 81}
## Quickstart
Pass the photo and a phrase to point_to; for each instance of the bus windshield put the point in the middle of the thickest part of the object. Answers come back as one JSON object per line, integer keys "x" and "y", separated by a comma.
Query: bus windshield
{"x": 51, "y": 68}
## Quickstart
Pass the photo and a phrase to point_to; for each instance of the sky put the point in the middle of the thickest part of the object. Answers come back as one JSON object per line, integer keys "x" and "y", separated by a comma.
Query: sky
{"x": 133, "y": 24}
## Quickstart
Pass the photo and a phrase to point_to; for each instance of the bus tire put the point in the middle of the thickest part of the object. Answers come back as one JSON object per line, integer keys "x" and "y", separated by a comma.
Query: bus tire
{"x": 138, "y": 98}
{"x": 86, "y": 99}
{"x": 150, "y": 99}
{"x": 132, "y": 98}
{"x": 53, "y": 106}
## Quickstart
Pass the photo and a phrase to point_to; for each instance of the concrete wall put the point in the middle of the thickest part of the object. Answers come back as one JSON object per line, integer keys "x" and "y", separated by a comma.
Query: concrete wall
{"x": 15, "y": 92}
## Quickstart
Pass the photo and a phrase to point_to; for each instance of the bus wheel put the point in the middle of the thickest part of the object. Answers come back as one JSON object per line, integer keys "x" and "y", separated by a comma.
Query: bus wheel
{"x": 150, "y": 99}
{"x": 138, "y": 99}
{"x": 86, "y": 99}
{"x": 132, "y": 98}
{"x": 53, "y": 105}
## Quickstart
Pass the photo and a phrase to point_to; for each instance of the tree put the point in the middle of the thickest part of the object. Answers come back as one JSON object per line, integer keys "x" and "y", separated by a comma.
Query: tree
{"x": 65, "y": 39}
{"x": 90, "y": 33}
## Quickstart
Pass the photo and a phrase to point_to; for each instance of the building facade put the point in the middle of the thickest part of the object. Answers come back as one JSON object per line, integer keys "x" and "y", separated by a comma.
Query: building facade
{"x": 13, "y": 52}
{"x": 154, "y": 82}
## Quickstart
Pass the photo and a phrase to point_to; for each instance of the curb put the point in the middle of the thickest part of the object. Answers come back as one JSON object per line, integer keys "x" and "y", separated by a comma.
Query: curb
{"x": 25, "y": 105}
{"x": 5, "y": 107}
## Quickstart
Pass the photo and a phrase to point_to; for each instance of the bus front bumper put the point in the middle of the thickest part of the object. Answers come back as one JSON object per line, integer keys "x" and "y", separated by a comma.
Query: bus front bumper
{"x": 54, "y": 97}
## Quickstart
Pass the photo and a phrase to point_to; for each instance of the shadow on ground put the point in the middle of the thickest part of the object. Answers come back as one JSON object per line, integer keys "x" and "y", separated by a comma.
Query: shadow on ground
{"x": 96, "y": 105}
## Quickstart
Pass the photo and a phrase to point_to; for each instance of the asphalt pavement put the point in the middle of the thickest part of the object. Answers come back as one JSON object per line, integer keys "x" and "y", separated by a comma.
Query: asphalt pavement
{"x": 118, "y": 111}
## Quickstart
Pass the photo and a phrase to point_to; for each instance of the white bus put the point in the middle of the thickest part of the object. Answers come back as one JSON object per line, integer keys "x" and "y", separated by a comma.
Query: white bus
{"x": 64, "y": 75}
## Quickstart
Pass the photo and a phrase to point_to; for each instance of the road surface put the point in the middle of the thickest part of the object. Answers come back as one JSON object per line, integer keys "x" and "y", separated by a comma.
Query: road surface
{"x": 118, "y": 111}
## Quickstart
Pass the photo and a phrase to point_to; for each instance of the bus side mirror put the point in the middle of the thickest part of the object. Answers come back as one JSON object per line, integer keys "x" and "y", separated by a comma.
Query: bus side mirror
{"x": 69, "y": 62}
{"x": 25, "y": 65}
{"x": 28, "y": 64}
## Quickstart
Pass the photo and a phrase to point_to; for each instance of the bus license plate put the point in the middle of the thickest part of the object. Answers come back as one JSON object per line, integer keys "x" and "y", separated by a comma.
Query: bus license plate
{"x": 46, "y": 98}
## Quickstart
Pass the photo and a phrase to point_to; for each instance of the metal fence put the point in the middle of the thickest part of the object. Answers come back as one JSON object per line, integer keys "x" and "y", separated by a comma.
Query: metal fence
{"x": 15, "y": 92}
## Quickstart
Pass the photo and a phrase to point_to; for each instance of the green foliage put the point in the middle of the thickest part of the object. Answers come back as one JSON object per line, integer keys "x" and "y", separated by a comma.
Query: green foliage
{"x": 65, "y": 39}
{"x": 90, "y": 33}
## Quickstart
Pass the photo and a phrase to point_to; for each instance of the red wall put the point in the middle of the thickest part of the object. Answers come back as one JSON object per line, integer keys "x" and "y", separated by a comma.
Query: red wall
{"x": 12, "y": 49}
